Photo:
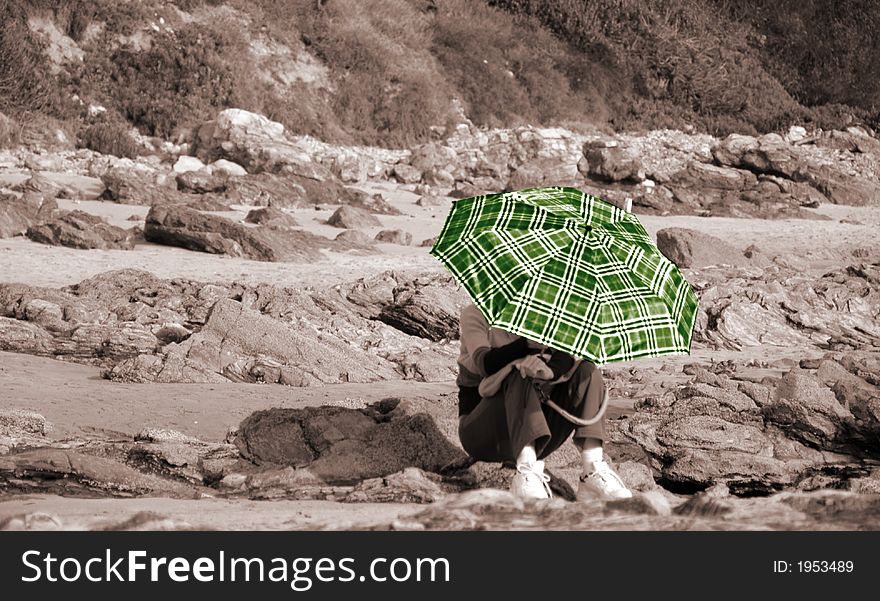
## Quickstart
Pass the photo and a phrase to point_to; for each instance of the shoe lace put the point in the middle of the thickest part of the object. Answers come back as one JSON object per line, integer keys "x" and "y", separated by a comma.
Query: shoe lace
{"x": 604, "y": 471}
{"x": 529, "y": 471}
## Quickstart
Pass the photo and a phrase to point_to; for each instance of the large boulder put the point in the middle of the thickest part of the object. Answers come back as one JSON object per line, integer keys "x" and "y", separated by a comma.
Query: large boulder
{"x": 78, "y": 229}
{"x": 394, "y": 237}
{"x": 176, "y": 225}
{"x": 769, "y": 154}
{"x": 690, "y": 248}
{"x": 610, "y": 162}
{"x": 272, "y": 217}
{"x": 704, "y": 175}
{"x": 428, "y": 307}
{"x": 257, "y": 144}
{"x": 406, "y": 174}
{"x": 349, "y": 217}
{"x": 202, "y": 182}
{"x": 139, "y": 186}
{"x": 844, "y": 188}
{"x": 433, "y": 156}
{"x": 341, "y": 445}
{"x": 542, "y": 172}
{"x": 17, "y": 214}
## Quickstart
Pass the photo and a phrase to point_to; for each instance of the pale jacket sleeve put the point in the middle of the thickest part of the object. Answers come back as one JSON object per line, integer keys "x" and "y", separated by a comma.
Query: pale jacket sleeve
{"x": 474, "y": 331}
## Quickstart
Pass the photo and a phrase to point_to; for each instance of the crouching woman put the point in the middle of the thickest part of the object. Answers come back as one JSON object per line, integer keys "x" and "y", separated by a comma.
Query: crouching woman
{"x": 502, "y": 418}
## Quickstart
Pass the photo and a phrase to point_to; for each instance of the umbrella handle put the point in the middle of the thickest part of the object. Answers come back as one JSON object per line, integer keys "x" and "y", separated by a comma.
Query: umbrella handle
{"x": 579, "y": 421}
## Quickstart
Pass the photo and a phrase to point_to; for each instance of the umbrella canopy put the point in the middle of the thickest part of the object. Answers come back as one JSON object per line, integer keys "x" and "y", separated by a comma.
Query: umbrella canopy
{"x": 568, "y": 270}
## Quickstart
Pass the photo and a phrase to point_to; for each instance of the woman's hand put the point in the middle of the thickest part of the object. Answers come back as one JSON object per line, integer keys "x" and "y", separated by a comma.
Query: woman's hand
{"x": 534, "y": 367}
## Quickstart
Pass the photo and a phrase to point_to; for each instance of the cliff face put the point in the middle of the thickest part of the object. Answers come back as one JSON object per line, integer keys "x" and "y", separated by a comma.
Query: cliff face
{"x": 394, "y": 72}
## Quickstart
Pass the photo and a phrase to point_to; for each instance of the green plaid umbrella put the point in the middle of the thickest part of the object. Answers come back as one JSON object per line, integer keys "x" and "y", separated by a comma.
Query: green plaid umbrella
{"x": 568, "y": 270}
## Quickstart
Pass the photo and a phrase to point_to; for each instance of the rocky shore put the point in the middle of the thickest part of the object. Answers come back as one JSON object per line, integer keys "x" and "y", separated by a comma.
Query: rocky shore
{"x": 307, "y": 270}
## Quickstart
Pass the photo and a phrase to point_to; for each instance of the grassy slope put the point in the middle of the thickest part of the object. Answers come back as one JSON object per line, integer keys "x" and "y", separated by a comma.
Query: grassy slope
{"x": 396, "y": 65}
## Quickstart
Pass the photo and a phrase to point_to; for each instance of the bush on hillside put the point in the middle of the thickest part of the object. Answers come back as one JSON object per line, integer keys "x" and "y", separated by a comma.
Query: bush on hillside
{"x": 181, "y": 80}
{"x": 10, "y": 132}
{"x": 110, "y": 137}
{"x": 389, "y": 89}
{"x": 677, "y": 51}
{"x": 822, "y": 52}
{"x": 25, "y": 83}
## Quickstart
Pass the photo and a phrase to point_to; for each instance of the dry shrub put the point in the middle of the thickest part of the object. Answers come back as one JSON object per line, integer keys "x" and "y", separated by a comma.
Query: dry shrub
{"x": 390, "y": 89}
{"x": 181, "y": 80}
{"x": 110, "y": 137}
{"x": 10, "y": 132}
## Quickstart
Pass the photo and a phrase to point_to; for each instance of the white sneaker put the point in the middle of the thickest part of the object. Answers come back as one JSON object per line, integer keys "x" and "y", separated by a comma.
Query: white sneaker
{"x": 602, "y": 483}
{"x": 530, "y": 481}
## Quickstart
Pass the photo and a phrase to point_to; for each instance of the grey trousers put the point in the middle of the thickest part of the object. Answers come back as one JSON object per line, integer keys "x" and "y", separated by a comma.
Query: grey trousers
{"x": 501, "y": 425}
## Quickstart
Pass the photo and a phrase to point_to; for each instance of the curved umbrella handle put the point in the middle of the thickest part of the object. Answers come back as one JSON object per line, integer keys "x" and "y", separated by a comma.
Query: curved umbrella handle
{"x": 573, "y": 419}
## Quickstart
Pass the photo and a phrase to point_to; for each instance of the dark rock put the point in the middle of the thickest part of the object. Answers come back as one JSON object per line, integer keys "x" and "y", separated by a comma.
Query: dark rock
{"x": 352, "y": 218}
{"x": 374, "y": 203}
{"x": 354, "y": 239}
{"x": 201, "y": 182}
{"x": 690, "y": 248}
{"x": 272, "y": 217}
{"x": 425, "y": 308}
{"x": 180, "y": 226}
{"x": 394, "y": 237}
{"x": 78, "y": 229}
{"x": 431, "y": 200}
{"x": 341, "y": 445}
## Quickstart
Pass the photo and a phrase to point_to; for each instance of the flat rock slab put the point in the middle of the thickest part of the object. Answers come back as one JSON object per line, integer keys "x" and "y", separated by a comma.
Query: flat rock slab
{"x": 69, "y": 473}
